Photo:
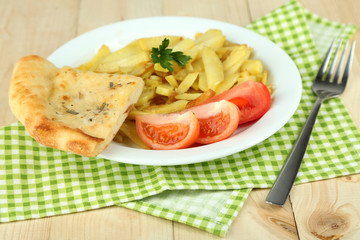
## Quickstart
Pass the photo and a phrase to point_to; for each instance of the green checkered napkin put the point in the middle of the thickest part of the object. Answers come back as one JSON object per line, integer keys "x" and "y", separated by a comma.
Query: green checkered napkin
{"x": 36, "y": 181}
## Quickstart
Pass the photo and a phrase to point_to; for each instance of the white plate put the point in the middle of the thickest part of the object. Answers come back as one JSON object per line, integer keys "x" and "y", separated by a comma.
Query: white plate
{"x": 283, "y": 73}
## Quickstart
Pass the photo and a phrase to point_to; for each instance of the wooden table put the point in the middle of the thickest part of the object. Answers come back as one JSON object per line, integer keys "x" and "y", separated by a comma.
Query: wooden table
{"x": 322, "y": 210}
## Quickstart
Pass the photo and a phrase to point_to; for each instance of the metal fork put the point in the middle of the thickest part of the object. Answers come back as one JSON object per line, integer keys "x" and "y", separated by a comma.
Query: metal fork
{"x": 325, "y": 86}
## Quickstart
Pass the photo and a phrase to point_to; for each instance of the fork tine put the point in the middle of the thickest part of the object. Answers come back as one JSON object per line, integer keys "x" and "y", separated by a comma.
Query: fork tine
{"x": 325, "y": 62}
{"x": 338, "y": 72}
{"x": 332, "y": 66}
{"x": 348, "y": 65}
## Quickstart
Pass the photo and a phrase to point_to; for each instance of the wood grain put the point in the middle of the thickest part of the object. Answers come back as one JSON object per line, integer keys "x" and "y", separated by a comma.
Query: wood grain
{"x": 93, "y": 15}
{"x": 328, "y": 210}
{"x": 31, "y": 27}
{"x": 322, "y": 210}
{"x": 258, "y": 219}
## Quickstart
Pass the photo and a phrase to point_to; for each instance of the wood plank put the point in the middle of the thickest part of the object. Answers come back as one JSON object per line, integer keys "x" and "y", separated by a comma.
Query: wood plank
{"x": 94, "y": 14}
{"x": 259, "y": 8}
{"x": 258, "y": 219}
{"x": 105, "y": 223}
{"x": 31, "y": 27}
{"x": 235, "y": 12}
{"x": 329, "y": 209}
{"x": 182, "y": 231}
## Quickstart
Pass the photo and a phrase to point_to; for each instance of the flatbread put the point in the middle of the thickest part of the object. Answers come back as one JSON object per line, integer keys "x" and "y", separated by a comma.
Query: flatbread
{"x": 69, "y": 109}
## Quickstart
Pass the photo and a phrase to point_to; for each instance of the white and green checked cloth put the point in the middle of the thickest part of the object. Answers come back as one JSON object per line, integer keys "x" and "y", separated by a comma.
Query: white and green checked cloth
{"x": 36, "y": 181}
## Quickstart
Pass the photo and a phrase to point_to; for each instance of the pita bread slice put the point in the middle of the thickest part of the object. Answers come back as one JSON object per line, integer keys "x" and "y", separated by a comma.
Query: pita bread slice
{"x": 69, "y": 109}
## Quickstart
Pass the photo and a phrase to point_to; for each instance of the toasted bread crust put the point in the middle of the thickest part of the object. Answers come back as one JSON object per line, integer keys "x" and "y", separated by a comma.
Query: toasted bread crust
{"x": 31, "y": 89}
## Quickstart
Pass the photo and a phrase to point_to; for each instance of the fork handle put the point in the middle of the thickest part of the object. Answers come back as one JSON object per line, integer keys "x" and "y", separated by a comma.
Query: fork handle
{"x": 285, "y": 180}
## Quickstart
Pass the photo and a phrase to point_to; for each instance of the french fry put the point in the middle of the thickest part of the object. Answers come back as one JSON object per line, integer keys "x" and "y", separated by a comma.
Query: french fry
{"x": 176, "y": 106}
{"x": 164, "y": 89}
{"x": 195, "y": 85}
{"x": 253, "y": 66}
{"x": 123, "y": 60}
{"x": 213, "y": 67}
{"x": 118, "y": 137}
{"x": 203, "y": 85}
{"x": 93, "y": 63}
{"x": 134, "y": 112}
{"x": 146, "y": 44}
{"x": 236, "y": 59}
{"x": 149, "y": 70}
{"x": 159, "y": 68}
{"x": 212, "y": 38}
{"x": 198, "y": 65}
{"x": 187, "y": 96}
{"x": 202, "y": 98}
{"x": 246, "y": 78}
{"x": 187, "y": 83}
{"x": 194, "y": 52}
{"x": 228, "y": 83}
{"x": 228, "y": 43}
{"x": 128, "y": 128}
{"x": 264, "y": 77}
{"x": 146, "y": 96}
{"x": 189, "y": 67}
{"x": 172, "y": 81}
{"x": 153, "y": 81}
{"x": 180, "y": 75}
{"x": 184, "y": 45}
{"x": 137, "y": 70}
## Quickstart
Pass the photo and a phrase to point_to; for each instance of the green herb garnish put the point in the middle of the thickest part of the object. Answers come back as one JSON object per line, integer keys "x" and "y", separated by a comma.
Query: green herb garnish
{"x": 101, "y": 108}
{"x": 164, "y": 56}
{"x": 72, "y": 111}
{"x": 113, "y": 86}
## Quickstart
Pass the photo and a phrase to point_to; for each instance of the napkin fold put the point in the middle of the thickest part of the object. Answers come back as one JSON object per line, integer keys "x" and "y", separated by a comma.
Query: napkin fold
{"x": 36, "y": 181}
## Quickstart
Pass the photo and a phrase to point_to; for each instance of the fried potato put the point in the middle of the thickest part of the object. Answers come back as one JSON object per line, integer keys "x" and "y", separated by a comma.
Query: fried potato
{"x": 253, "y": 66}
{"x": 128, "y": 129}
{"x": 164, "y": 89}
{"x": 93, "y": 63}
{"x": 212, "y": 38}
{"x": 146, "y": 44}
{"x": 203, "y": 84}
{"x": 228, "y": 83}
{"x": 124, "y": 60}
{"x": 202, "y": 98}
{"x": 236, "y": 59}
{"x": 187, "y": 83}
{"x": 213, "y": 68}
{"x": 187, "y": 96}
{"x": 176, "y": 106}
{"x": 172, "y": 81}
{"x": 146, "y": 96}
{"x": 184, "y": 45}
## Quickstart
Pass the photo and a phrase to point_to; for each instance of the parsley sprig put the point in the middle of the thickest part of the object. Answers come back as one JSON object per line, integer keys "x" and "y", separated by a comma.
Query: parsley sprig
{"x": 164, "y": 56}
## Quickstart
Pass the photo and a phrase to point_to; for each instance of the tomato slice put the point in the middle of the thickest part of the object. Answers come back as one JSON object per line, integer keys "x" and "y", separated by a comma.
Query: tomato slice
{"x": 168, "y": 131}
{"x": 252, "y": 98}
{"x": 218, "y": 120}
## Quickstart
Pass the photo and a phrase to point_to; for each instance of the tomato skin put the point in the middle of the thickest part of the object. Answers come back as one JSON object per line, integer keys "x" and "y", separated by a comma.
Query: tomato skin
{"x": 218, "y": 121}
{"x": 252, "y": 98}
{"x": 168, "y": 131}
